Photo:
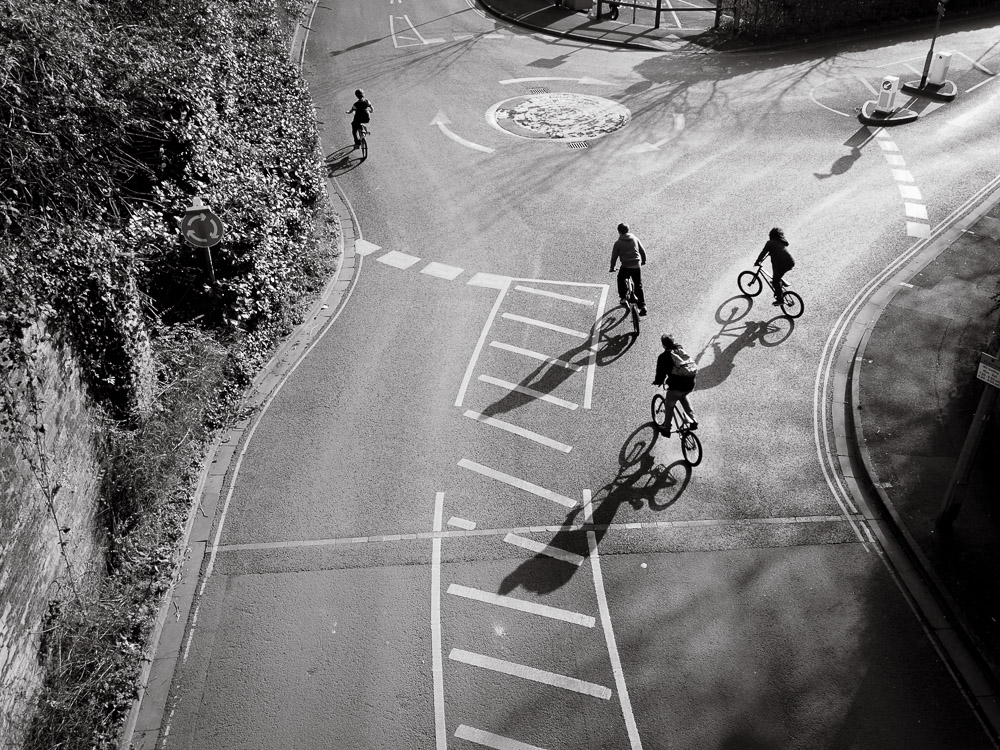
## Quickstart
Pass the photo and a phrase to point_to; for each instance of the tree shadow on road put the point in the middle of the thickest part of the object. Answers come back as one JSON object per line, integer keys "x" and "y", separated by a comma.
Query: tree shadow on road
{"x": 639, "y": 480}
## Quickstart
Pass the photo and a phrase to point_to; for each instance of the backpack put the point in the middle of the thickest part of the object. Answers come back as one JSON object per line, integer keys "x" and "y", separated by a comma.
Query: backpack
{"x": 683, "y": 364}
{"x": 362, "y": 113}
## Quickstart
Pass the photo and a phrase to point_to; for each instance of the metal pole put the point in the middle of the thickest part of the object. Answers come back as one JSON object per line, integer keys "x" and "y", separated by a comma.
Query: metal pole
{"x": 208, "y": 265}
{"x": 659, "y": 9}
{"x": 930, "y": 52}
{"x": 960, "y": 478}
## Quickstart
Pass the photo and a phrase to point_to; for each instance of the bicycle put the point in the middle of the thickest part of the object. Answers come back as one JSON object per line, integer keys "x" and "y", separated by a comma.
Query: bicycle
{"x": 690, "y": 442}
{"x": 363, "y": 140}
{"x": 632, "y": 304}
{"x": 751, "y": 285}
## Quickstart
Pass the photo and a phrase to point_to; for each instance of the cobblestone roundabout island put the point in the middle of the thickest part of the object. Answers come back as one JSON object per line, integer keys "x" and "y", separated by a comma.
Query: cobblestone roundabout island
{"x": 559, "y": 116}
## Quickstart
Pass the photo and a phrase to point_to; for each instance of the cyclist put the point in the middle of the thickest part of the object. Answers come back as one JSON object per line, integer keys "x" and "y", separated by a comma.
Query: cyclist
{"x": 781, "y": 260}
{"x": 679, "y": 370}
{"x": 632, "y": 254}
{"x": 362, "y": 110}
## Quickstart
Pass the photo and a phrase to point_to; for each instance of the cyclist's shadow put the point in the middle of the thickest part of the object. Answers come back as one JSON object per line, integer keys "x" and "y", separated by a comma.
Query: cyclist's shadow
{"x": 341, "y": 162}
{"x": 639, "y": 480}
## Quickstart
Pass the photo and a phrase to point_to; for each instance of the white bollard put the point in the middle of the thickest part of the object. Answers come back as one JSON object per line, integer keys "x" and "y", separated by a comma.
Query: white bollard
{"x": 938, "y": 72}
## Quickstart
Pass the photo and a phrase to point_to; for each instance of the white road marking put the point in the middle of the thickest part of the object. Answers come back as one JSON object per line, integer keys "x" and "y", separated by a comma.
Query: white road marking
{"x": 521, "y": 484}
{"x": 441, "y": 271}
{"x": 489, "y": 281}
{"x": 975, "y": 64}
{"x": 437, "y": 667}
{"x": 981, "y": 83}
{"x": 397, "y": 259}
{"x": 463, "y": 37}
{"x": 533, "y": 608}
{"x": 520, "y": 431}
{"x": 592, "y": 365}
{"x": 554, "y": 295}
{"x": 916, "y": 229}
{"x": 916, "y": 210}
{"x": 867, "y": 85}
{"x": 530, "y": 673}
{"x": 364, "y": 247}
{"x": 495, "y": 35}
{"x": 910, "y": 191}
{"x": 585, "y": 81}
{"x": 462, "y": 523}
{"x": 609, "y": 633}
{"x": 548, "y": 398}
{"x": 902, "y": 175}
{"x": 536, "y": 355}
{"x": 886, "y": 145}
{"x": 646, "y": 147}
{"x": 543, "y": 324}
{"x": 895, "y": 160}
{"x": 482, "y": 340}
{"x": 442, "y": 121}
{"x": 812, "y": 95}
{"x": 545, "y": 549}
{"x": 488, "y": 739}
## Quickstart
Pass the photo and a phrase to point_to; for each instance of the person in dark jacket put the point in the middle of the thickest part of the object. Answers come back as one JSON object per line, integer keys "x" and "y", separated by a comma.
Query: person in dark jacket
{"x": 781, "y": 260}
{"x": 678, "y": 385}
{"x": 632, "y": 254}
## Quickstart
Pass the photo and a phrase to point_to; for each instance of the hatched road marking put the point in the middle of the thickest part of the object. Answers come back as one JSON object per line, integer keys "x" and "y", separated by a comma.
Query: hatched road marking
{"x": 530, "y": 673}
{"x": 545, "y": 549}
{"x": 528, "y": 392}
{"x": 554, "y": 295}
{"x": 543, "y": 610}
{"x": 536, "y": 355}
{"x": 488, "y": 739}
{"x": 543, "y": 324}
{"x": 520, "y": 431}
{"x": 521, "y": 484}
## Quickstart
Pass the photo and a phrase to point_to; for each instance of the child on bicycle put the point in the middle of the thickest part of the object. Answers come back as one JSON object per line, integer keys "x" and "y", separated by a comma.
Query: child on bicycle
{"x": 679, "y": 370}
{"x": 781, "y": 260}
{"x": 362, "y": 110}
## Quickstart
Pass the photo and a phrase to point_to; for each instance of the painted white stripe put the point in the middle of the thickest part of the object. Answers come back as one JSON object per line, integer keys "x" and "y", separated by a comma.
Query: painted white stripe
{"x": 895, "y": 160}
{"x": 479, "y": 344}
{"x": 533, "y": 608}
{"x": 462, "y": 37}
{"x": 916, "y": 229}
{"x": 563, "y": 283}
{"x": 536, "y": 355}
{"x": 397, "y": 259}
{"x": 521, "y": 484}
{"x": 916, "y": 210}
{"x": 881, "y": 133}
{"x": 910, "y": 192}
{"x": 461, "y": 523}
{"x": 545, "y": 549}
{"x": 975, "y": 63}
{"x": 594, "y": 344}
{"x": 494, "y": 35}
{"x": 543, "y": 324}
{"x": 521, "y": 431}
{"x": 488, "y": 739}
{"x": 364, "y": 247}
{"x": 867, "y": 85}
{"x": 437, "y": 667}
{"x": 441, "y": 271}
{"x": 414, "y": 30}
{"x": 902, "y": 175}
{"x": 887, "y": 145}
{"x": 554, "y": 295}
{"x": 548, "y": 398}
{"x": 609, "y": 634}
{"x": 489, "y": 280}
{"x": 981, "y": 83}
{"x": 530, "y": 673}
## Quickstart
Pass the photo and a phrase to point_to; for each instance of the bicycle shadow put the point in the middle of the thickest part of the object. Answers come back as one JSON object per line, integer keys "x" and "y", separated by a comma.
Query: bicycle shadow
{"x": 742, "y": 335}
{"x": 551, "y": 374}
{"x": 639, "y": 480}
{"x": 340, "y": 162}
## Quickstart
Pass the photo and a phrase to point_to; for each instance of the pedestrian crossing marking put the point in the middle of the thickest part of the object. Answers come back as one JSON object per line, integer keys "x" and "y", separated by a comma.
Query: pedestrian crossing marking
{"x": 397, "y": 259}
{"x": 510, "y": 602}
{"x": 530, "y": 673}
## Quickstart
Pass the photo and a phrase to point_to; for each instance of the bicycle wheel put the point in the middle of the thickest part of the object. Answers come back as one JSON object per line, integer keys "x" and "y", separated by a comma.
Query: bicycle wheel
{"x": 658, "y": 407}
{"x": 749, "y": 283}
{"x": 691, "y": 446}
{"x": 792, "y": 304}
{"x": 364, "y": 147}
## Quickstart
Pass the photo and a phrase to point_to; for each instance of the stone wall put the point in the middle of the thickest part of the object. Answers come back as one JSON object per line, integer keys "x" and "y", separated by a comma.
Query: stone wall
{"x": 33, "y": 569}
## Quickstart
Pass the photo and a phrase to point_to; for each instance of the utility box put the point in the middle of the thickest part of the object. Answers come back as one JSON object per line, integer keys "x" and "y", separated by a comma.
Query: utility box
{"x": 887, "y": 94}
{"x": 938, "y": 72}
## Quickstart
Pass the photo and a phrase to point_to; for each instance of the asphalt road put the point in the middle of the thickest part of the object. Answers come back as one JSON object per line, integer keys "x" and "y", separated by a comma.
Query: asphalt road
{"x": 481, "y": 380}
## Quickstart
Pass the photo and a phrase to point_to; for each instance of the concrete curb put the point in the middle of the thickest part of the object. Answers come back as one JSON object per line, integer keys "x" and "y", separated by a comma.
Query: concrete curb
{"x": 946, "y": 625}
{"x": 142, "y": 728}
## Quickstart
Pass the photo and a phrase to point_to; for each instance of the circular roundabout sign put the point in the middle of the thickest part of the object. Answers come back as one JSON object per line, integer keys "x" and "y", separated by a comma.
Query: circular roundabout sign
{"x": 559, "y": 116}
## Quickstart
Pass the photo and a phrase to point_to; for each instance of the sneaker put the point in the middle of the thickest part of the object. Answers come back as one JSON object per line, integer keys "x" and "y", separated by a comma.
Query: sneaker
{"x": 692, "y": 425}
{"x": 776, "y": 303}
{"x": 642, "y": 310}
{"x": 623, "y": 302}
{"x": 665, "y": 431}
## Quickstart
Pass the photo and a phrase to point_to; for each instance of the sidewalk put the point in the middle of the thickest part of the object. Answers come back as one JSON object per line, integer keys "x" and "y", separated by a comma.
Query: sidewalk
{"x": 560, "y": 21}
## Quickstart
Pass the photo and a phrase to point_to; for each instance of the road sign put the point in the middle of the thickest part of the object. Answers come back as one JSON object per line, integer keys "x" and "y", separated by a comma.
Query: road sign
{"x": 988, "y": 373}
{"x": 200, "y": 226}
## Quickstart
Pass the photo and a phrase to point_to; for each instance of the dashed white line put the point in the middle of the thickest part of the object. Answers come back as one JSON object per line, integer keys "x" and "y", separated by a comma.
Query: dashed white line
{"x": 902, "y": 175}
{"x": 530, "y": 673}
{"x": 442, "y": 271}
{"x": 532, "y": 608}
{"x": 489, "y": 281}
{"x": 548, "y": 550}
{"x": 912, "y": 192}
{"x": 554, "y": 295}
{"x": 887, "y": 145}
{"x": 437, "y": 666}
{"x": 916, "y": 210}
{"x": 536, "y": 355}
{"x": 544, "y": 324}
{"x": 895, "y": 160}
{"x": 462, "y": 523}
{"x": 364, "y": 247}
{"x": 521, "y": 484}
{"x": 917, "y": 229}
{"x": 531, "y": 392}
{"x": 488, "y": 739}
{"x": 520, "y": 431}
{"x": 397, "y": 259}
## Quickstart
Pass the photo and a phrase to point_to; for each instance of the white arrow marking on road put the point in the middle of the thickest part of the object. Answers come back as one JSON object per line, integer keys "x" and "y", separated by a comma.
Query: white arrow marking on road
{"x": 441, "y": 120}
{"x": 647, "y": 146}
{"x": 584, "y": 81}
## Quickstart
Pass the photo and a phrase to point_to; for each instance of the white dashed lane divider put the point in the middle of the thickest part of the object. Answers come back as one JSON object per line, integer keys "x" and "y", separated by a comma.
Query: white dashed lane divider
{"x": 917, "y": 224}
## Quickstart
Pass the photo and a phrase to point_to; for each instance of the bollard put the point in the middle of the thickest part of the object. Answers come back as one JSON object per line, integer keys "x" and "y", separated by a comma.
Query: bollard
{"x": 938, "y": 73}
{"x": 887, "y": 94}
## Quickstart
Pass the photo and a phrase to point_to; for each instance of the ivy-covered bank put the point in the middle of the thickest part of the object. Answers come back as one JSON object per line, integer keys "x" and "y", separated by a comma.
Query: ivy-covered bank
{"x": 114, "y": 114}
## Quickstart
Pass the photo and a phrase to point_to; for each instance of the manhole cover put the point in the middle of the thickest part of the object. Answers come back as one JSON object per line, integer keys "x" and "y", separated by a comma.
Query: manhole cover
{"x": 559, "y": 116}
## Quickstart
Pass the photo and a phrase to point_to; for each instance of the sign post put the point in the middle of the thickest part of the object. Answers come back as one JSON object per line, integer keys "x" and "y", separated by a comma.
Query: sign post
{"x": 201, "y": 227}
